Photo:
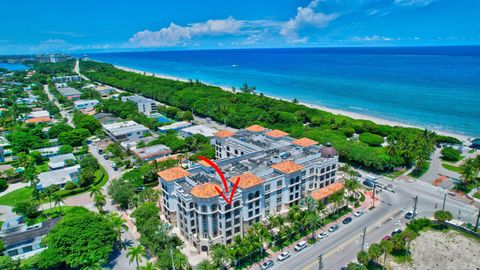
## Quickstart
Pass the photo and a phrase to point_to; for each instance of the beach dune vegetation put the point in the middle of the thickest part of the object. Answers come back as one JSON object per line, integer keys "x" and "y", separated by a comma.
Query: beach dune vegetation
{"x": 244, "y": 108}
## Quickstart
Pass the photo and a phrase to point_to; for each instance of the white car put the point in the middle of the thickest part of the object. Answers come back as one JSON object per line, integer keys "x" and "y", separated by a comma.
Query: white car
{"x": 300, "y": 246}
{"x": 283, "y": 256}
{"x": 322, "y": 235}
{"x": 359, "y": 213}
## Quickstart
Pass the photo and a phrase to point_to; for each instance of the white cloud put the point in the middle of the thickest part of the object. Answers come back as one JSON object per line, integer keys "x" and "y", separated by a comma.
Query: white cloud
{"x": 306, "y": 16}
{"x": 373, "y": 38}
{"x": 174, "y": 35}
{"x": 54, "y": 41}
{"x": 414, "y": 2}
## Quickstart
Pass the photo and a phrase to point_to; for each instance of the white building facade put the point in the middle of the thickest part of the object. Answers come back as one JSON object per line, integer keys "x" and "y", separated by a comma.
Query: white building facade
{"x": 275, "y": 172}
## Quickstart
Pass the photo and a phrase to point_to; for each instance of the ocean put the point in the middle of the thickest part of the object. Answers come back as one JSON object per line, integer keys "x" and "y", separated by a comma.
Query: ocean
{"x": 431, "y": 87}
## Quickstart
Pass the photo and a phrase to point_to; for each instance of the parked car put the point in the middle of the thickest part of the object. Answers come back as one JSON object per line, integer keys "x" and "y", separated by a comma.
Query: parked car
{"x": 387, "y": 237}
{"x": 409, "y": 215}
{"x": 396, "y": 231}
{"x": 333, "y": 228}
{"x": 283, "y": 256}
{"x": 368, "y": 183}
{"x": 322, "y": 235}
{"x": 359, "y": 213}
{"x": 347, "y": 220}
{"x": 300, "y": 246}
{"x": 266, "y": 265}
{"x": 106, "y": 156}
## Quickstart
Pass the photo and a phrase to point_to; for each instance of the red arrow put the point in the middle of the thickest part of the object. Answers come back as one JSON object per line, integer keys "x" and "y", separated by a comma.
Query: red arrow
{"x": 225, "y": 185}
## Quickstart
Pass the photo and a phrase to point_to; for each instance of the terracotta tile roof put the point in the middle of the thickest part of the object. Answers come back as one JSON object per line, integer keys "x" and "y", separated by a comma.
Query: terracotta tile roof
{"x": 175, "y": 157}
{"x": 247, "y": 180}
{"x": 255, "y": 128}
{"x": 204, "y": 163}
{"x": 276, "y": 133}
{"x": 206, "y": 190}
{"x": 224, "y": 133}
{"x": 305, "y": 142}
{"x": 38, "y": 120}
{"x": 173, "y": 174}
{"x": 323, "y": 193}
{"x": 287, "y": 166}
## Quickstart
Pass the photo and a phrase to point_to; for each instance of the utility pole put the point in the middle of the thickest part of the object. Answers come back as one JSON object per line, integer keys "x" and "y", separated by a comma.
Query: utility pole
{"x": 363, "y": 237}
{"x": 444, "y": 200}
{"x": 320, "y": 261}
{"x": 373, "y": 194}
{"x": 478, "y": 218}
{"x": 415, "y": 208}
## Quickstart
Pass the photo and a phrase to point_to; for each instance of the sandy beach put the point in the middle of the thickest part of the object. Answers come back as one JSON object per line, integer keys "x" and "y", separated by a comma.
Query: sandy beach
{"x": 354, "y": 115}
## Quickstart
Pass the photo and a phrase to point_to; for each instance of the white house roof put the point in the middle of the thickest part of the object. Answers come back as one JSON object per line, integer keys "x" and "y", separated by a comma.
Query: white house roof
{"x": 57, "y": 177}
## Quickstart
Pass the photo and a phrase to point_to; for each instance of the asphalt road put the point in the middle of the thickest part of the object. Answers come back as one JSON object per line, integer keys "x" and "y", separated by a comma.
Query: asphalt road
{"x": 342, "y": 246}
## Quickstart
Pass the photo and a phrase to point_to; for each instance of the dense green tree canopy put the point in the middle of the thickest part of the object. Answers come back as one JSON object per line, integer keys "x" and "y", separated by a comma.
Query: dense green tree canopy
{"x": 81, "y": 238}
{"x": 242, "y": 109}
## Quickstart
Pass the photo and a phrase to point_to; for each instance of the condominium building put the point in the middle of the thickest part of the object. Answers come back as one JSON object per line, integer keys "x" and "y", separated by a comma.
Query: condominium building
{"x": 275, "y": 172}
{"x": 125, "y": 131}
{"x": 145, "y": 105}
{"x": 85, "y": 104}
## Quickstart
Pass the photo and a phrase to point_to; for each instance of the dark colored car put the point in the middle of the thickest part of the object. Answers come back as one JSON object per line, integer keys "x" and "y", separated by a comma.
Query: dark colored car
{"x": 409, "y": 215}
{"x": 347, "y": 220}
{"x": 396, "y": 231}
{"x": 368, "y": 183}
{"x": 266, "y": 265}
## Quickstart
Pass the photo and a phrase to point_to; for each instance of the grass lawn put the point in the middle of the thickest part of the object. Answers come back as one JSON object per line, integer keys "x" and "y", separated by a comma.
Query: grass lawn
{"x": 17, "y": 196}
{"x": 451, "y": 167}
{"x": 51, "y": 213}
{"x": 477, "y": 195}
{"x": 394, "y": 174}
{"x": 419, "y": 173}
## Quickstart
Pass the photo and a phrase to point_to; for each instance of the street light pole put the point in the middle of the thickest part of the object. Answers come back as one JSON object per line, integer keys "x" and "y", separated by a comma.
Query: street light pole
{"x": 320, "y": 261}
{"x": 415, "y": 208}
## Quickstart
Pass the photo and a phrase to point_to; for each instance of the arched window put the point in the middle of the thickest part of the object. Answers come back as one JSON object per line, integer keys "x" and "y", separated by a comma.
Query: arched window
{"x": 257, "y": 194}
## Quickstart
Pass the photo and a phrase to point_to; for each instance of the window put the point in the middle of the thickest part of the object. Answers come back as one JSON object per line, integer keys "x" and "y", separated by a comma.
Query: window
{"x": 27, "y": 249}
{"x": 204, "y": 208}
{"x": 279, "y": 183}
{"x": 13, "y": 253}
{"x": 267, "y": 188}
{"x": 279, "y": 192}
{"x": 237, "y": 229}
{"x": 267, "y": 204}
{"x": 267, "y": 196}
{"x": 279, "y": 199}
{"x": 236, "y": 203}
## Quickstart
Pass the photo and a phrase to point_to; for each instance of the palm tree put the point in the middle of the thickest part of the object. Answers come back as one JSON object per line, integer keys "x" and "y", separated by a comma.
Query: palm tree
{"x": 374, "y": 252}
{"x": 134, "y": 201}
{"x": 148, "y": 266}
{"x": 311, "y": 221}
{"x": 351, "y": 186}
{"x": 58, "y": 200}
{"x": 220, "y": 255}
{"x": 95, "y": 191}
{"x": 205, "y": 264}
{"x": 309, "y": 202}
{"x": 387, "y": 247}
{"x": 99, "y": 201}
{"x": 37, "y": 199}
{"x": 136, "y": 254}
{"x": 469, "y": 171}
{"x": 118, "y": 224}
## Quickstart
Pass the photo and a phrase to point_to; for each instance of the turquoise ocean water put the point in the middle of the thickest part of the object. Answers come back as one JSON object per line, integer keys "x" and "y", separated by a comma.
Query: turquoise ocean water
{"x": 433, "y": 87}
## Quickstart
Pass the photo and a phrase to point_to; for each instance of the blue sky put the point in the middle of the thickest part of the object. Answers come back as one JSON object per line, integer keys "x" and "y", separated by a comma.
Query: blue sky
{"x": 95, "y": 26}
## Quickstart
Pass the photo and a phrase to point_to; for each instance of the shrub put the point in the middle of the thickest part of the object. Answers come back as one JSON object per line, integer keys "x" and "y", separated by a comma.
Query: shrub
{"x": 371, "y": 139}
{"x": 450, "y": 154}
{"x": 3, "y": 185}
{"x": 70, "y": 185}
{"x": 348, "y": 131}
